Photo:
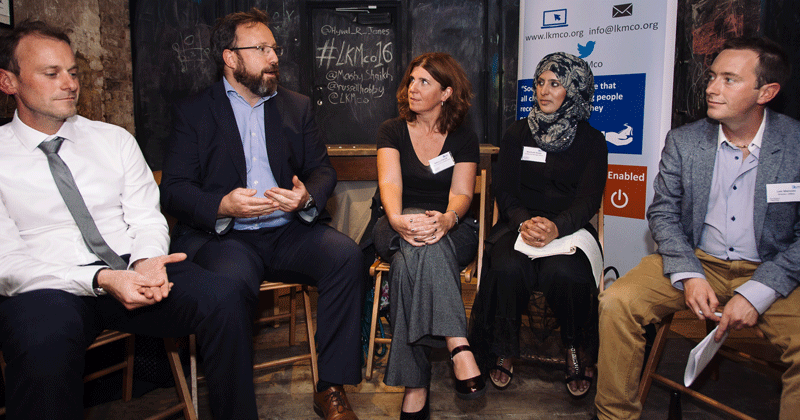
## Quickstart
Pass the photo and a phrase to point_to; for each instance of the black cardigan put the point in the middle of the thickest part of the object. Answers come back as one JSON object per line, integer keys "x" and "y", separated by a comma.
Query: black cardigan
{"x": 566, "y": 189}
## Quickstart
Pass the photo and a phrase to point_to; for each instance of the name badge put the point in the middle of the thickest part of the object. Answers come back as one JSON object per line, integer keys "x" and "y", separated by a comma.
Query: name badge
{"x": 783, "y": 193}
{"x": 534, "y": 154}
{"x": 442, "y": 162}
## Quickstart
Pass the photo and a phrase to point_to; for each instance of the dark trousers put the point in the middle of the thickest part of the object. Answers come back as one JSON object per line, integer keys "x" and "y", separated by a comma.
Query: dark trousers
{"x": 566, "y": 281}
{"x": 312, "y": 254}
{"x": 44, "y": 335}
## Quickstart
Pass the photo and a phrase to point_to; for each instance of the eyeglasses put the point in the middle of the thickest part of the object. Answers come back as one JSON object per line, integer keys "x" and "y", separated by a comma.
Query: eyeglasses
{"x": 262, "y": 49}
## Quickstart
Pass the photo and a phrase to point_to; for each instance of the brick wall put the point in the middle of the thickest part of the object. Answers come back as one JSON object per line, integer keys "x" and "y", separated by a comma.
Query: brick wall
{"x": 100, "y": 33}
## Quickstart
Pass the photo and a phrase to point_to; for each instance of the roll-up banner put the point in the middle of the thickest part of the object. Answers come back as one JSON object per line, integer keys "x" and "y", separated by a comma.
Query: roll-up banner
{"x": 630, "y": 47}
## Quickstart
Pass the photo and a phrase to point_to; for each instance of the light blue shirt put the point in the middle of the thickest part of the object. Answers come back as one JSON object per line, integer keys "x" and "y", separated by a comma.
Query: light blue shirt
{"x": 728, "y": 232}
{"x": 250, "y": 121}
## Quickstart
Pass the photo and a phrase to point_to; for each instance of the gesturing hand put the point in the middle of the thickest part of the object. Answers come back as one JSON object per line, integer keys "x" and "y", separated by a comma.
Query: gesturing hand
{"x": 241, "y": 203}
{"x": 289, "y": 200}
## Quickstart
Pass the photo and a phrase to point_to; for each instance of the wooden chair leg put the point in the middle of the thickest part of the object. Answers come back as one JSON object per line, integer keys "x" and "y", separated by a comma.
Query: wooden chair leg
{"x": 195, "y": 377}
{"x": 182, "y": 389}
{"x": 193, "y": 369}
{"x": 312, "y": 342}
{"x": 655, "y": 357}
{"x": 292, "y": 316}
{"x": 373, "y": 325}
{"x": 276, "y": 308}
{"x": 127, "y": 372}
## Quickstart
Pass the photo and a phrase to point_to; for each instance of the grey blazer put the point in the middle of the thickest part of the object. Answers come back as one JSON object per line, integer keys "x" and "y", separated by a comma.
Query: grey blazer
{"x": 683, "y": 185}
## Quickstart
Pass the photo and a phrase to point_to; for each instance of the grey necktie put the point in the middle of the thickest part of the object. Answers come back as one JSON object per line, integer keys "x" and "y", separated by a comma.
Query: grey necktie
{"x": 77, "y": 207}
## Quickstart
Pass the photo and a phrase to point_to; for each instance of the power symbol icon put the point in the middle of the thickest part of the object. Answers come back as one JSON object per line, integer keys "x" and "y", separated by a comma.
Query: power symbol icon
{"x": 620, "y": 196}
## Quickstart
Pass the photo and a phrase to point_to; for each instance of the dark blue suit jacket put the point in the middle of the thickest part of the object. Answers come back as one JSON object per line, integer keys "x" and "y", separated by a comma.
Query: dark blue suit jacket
{"x": 205, "y": 160}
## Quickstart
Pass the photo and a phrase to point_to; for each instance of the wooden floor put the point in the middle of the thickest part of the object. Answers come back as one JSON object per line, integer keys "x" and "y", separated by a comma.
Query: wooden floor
{"x": 537, "y": 391}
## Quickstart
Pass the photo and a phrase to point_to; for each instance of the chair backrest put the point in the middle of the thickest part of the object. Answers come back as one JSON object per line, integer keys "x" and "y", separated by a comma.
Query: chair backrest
{"x": 171, "y": 221}
{"x": 484, "y": 218}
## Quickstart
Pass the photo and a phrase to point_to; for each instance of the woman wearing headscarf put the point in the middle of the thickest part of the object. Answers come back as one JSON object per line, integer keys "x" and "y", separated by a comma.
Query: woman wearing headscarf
{"x": 548, "y": 182}
{"x": 427, "y": 159}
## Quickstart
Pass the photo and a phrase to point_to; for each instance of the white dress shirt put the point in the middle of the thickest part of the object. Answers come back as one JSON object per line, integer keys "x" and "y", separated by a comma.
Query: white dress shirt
{"x": 41, "y": 247}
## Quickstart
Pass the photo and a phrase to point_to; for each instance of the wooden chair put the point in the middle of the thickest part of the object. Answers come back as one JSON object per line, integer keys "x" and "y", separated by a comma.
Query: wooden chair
{"x": 469, "y": 275}
{"x": 291, "y": 315}
{"x": 276, "y": 287}
{"x": 771, "y": 368}
{"x": 109, "y": 336}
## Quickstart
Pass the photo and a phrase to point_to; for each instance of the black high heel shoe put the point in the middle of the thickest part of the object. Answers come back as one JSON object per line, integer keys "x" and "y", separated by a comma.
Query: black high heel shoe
{"x": 424, "y": 414}
{"x": 468, "y": 389}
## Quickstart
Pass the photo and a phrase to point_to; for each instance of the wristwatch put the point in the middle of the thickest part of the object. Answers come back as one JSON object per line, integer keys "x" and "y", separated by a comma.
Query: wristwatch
{"x": 99, "y": 291}
{"x": 309, "y": 203}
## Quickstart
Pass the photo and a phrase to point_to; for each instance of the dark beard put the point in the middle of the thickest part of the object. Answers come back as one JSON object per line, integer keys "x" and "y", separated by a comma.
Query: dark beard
{"x": 256, "y": 83}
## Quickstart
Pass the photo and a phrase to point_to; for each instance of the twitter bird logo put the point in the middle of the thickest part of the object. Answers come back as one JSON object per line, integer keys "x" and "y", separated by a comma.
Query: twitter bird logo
{"x": 585, "y": 50}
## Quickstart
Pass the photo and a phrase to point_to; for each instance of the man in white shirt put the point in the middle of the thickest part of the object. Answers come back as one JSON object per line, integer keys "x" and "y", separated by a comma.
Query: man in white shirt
{"x": 56, "y": 295}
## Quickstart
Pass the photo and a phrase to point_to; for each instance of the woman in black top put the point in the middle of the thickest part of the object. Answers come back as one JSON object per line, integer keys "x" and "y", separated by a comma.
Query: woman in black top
{"x": 548, "y": 182}
{"x": 426, "y": 174}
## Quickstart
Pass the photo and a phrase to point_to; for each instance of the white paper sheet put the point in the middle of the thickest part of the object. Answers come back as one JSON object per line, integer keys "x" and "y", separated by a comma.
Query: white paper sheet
{"x": 566, "y": 246}
{"x": 701, "y": 354}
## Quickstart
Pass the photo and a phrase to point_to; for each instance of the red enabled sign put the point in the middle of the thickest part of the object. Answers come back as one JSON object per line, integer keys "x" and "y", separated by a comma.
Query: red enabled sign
{"x": 626, "y": 190}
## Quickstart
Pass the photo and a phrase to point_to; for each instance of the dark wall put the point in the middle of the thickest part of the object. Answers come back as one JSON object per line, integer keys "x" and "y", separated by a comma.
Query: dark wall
{"x": 170, "y": 40}
{"x": 171, "y": 56}
{"x": 704, "y": 25}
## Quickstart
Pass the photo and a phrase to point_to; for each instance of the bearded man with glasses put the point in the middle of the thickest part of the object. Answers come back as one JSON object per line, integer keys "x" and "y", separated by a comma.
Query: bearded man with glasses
{"x": 247, "y": 175}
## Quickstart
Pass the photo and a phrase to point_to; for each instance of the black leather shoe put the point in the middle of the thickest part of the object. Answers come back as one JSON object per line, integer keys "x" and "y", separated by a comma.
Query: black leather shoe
{"x": 424, "y": 414}
{"x": 468, "y": 389}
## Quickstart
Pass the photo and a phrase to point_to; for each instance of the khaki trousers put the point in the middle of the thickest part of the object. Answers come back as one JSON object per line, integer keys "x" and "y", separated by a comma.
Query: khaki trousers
{"x": 645, "y": 296}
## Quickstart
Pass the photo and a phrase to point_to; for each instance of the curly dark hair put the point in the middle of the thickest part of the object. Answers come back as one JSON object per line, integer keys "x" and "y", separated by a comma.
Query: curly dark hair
{"x": 224, "y": 33}
{"x": 445, "y": 70}
{"x": 10, "y": 40}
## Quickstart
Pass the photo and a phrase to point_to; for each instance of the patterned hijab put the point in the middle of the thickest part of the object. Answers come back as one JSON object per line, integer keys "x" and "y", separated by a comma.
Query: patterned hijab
{"x": 555, "y": 132}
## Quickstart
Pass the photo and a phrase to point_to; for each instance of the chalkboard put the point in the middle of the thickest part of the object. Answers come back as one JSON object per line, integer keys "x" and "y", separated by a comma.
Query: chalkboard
{"x": 357, "y": 65}
{"x": 456, "y": 27}
{"x": 171, "y": 42}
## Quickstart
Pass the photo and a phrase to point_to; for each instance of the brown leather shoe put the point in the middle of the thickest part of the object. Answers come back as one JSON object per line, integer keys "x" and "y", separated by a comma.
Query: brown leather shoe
{"x": 332, "y": 404}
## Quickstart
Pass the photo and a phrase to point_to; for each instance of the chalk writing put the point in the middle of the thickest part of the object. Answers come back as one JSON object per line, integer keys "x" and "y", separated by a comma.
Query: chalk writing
{"x": 356, "y": 66}
{"x": 350, "y": 54}
{"x": 357, "y": 30}
{"x": 188, "y": 52}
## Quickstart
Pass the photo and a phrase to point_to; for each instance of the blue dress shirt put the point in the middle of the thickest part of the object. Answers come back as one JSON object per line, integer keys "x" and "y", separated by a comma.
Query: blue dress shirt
{"x": 728, "y": 232}
{"x": 250, "y": 120}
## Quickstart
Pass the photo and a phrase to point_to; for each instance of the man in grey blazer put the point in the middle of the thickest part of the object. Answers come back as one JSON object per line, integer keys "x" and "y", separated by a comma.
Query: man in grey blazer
{"x": 726, "y": 221}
